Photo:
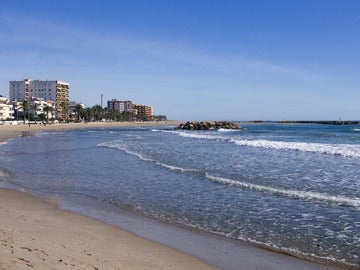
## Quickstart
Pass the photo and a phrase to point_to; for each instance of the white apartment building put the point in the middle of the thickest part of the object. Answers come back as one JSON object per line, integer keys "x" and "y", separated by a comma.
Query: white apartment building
{"x": 56, "y": 91}
{"x": 6, "y": 109}
{"x": 37, "y": 106}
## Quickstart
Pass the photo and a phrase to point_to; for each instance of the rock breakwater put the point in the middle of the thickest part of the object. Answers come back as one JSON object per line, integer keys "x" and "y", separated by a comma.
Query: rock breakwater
{"x": 340, "y": 122}
{"x": 208, "y": 125}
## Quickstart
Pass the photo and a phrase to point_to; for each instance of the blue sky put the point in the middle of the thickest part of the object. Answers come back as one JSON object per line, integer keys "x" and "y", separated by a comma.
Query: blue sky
{"x": 192, "y": 60}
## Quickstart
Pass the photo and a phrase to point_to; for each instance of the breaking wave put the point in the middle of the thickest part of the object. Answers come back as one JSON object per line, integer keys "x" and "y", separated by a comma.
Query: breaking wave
{"x": 144, "y": 158}
{"x": 345, "y": 150}
{"x": 305, "y": 195}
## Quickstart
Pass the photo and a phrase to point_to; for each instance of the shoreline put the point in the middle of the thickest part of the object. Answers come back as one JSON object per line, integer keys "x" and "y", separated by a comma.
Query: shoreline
{"x": 246, "y": 256}
{"x": 12, "y": 131}
{"x": 37, "y": 234}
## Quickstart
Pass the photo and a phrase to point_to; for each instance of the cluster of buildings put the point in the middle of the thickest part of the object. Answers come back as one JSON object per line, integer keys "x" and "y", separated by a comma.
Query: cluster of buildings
{"x": 51, "y": 98}
{"x": 42, "y": 97}
{"x": 144, "y": 111}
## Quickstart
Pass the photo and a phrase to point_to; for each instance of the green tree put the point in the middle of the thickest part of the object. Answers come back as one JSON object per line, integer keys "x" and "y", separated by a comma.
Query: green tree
{"x": 25, "y": 106}
{"x": 98, "y": 112}
{"x": 78, "y": 109}
{"x": 42, "y": 117}
{"x": 48, "y": 109}
{"x": 34, "y": 107}
{"x": 65, "y": 110}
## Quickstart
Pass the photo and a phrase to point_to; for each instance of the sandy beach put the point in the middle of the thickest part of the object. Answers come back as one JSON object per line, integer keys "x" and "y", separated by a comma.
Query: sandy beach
{"x": 11, "y": 131}
{"x": 36, "y": 234}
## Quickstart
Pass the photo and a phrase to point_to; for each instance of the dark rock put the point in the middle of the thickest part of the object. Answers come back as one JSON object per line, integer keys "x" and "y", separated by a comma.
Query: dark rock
{"x": 340, "y": 122}
{"x": 208, "y": 125}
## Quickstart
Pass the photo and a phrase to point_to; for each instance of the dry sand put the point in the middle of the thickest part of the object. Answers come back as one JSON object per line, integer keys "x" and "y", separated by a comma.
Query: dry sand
{"x": 36, "y": 234}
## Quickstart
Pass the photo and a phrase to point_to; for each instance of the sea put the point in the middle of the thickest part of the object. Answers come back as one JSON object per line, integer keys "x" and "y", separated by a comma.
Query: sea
{"x": 292, "y": 188}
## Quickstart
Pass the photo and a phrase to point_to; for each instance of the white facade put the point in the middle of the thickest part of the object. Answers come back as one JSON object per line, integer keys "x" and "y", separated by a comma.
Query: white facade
{"x": 56, "y": 91}
{"x": 37, "y": 106}
{"x": 6, "y": 109}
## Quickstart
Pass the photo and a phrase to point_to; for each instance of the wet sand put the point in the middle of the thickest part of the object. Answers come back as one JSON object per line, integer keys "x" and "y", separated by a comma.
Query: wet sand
{"x": 37, "y": 234}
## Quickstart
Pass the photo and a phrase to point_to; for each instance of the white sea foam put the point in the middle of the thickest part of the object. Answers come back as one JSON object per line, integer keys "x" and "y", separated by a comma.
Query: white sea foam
{"x": 144, "y": 158}
{"x": 200, "y": 136}
{"x": 306, "y": 195}
{"x": 228, "y": 130}
{"x": 346, "y": 150}
{"x": 193, "y": 135}
{"x": 357, "y": 129}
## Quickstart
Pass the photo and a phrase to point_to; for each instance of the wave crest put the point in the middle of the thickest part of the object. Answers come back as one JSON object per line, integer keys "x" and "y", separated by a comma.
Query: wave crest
{"x": 346, "y": 150}
{"x": 144, "y": 158}
{"x": 305, "y": 195}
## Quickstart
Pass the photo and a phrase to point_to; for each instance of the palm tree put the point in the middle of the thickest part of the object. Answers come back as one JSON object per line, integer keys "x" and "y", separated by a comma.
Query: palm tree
{"x": 78, "y": 109}
{"x": 41, "y": 117}
{"x": 65, "y": 109}
{"x": 34, "y": 107}
{"x": 48, "y": 109}
{"x": 25, "y": 106}
{"x": 89, "y": 114}
{"x": 51, "y": 110}
{"x": 98, "y": 112}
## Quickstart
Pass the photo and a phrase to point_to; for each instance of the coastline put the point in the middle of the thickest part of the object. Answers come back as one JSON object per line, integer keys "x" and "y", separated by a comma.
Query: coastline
{"x": 11, "y": 131}
{"x": 77, "y": 236}
{"x": 37, "y": 234}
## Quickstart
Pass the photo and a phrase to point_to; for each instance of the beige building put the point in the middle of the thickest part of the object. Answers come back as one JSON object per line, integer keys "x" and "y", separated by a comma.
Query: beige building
{"x": 56, "y": 91}
{"x": 144, "y": 110}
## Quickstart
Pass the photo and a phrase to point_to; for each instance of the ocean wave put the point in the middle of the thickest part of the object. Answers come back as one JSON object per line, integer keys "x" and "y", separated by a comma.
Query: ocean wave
{"x": 144, "y": 158}
{"x": 306, "y": 195}
{"x": 346, "y": 150}
{"x": 228, "y": 130}
{"x": 357, "y": 129}
{"x": 192, "y": 134}
{"x": 200, "y": 136}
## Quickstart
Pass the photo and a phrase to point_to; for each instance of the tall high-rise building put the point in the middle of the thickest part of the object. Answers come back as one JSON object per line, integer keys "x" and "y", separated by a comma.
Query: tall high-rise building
{"x": 56, "y": 91}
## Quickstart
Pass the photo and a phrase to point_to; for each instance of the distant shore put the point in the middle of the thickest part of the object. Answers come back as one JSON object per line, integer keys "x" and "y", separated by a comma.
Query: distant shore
{"x": 11, "y": 131}
{"x": 36, "y": 234}
{"x": 336, "y": 122}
